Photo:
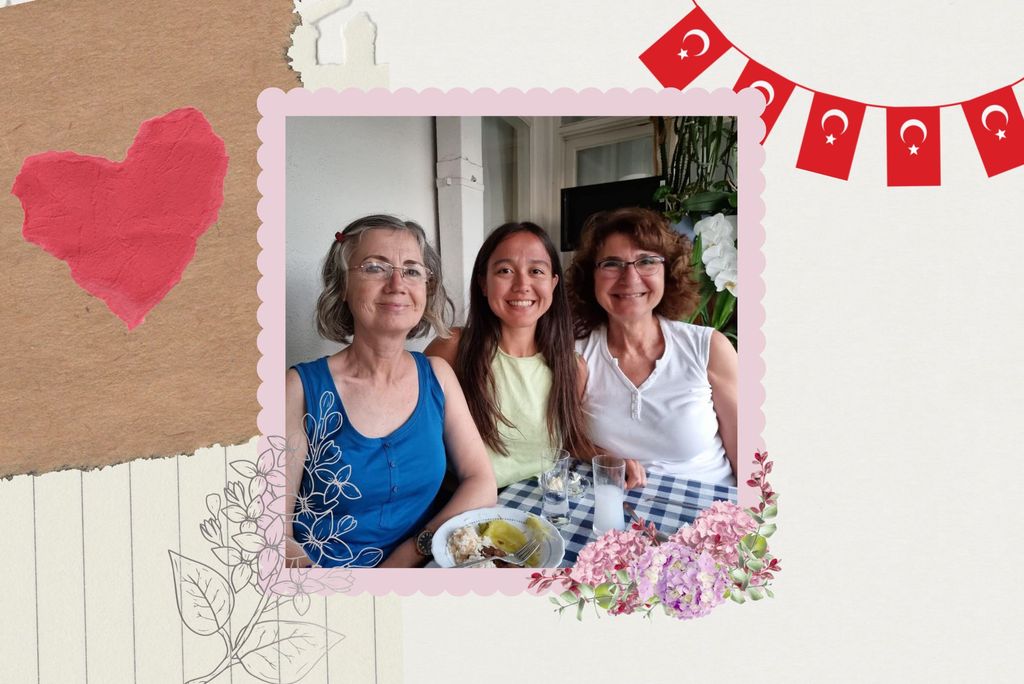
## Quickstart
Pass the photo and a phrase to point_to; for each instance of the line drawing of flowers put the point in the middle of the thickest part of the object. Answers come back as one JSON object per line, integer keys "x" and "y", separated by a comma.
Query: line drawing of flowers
{"x": 246, "y": 537}
{"x": 316, "y": 524}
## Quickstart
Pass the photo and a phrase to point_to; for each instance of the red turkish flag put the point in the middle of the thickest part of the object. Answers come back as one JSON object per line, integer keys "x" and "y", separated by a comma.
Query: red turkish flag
{"x": 998, "y": 129}
{"x": 830, "y": 137}
{"x": 912, "y": 146}
{"x": 689, "y": 47}
{"x": 775, "y": 88}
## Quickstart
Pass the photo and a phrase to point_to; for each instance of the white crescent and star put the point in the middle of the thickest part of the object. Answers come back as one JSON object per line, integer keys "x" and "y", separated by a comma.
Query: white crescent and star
{"x": 706, "y": 42}
{"x": 839, "y": 114}
{"x": 769, "y": 92}
{"x": 1001, "y": 133}
{"x": 914, "y": 123}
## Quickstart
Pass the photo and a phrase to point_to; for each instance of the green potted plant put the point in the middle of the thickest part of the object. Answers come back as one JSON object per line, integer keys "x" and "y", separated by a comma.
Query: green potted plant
{"x": 699, "y": 198}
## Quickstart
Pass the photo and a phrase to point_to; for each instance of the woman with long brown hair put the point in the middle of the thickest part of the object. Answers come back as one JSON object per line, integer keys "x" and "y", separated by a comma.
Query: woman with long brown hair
{"x": 515, "y": 358}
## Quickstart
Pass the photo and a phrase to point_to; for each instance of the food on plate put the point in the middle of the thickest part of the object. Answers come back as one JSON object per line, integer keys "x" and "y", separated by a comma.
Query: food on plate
{"x": 494, "y": 539}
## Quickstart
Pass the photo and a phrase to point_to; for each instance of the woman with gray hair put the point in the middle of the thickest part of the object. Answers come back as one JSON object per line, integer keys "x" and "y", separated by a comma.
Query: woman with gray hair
{"x": 375, "y": 421}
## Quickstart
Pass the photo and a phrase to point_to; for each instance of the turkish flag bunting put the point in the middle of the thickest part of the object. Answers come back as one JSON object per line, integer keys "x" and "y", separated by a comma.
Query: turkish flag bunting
{"x": 912, "y": 145}
{"x": 689, "y": 47}
{"x": 830, "y": 137}
{"x": 998, "y": 129}
{"x": 775, "y": 88}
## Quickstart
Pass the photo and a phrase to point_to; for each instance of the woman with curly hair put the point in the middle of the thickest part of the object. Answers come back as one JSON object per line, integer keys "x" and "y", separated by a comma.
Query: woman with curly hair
{"x": 660, "y": 392}
{"x": 515, "y": 356}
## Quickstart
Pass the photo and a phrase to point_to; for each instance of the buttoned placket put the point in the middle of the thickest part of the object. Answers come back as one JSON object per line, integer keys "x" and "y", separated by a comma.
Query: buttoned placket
{"x": 393, "y": 488}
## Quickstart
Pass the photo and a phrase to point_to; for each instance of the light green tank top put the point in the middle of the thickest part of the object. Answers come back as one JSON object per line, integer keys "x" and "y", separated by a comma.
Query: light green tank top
{"x": 522, "y": 386}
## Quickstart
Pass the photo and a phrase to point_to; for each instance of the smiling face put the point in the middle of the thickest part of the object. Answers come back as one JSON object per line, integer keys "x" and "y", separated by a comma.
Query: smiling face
{"x": 390, "y": 305}
{"x": 627, "y": 296}
{"x": 519, "y": 280}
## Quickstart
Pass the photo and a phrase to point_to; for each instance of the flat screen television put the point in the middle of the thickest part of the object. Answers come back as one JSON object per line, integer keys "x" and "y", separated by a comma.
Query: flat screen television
{"x": 580, "y": 202}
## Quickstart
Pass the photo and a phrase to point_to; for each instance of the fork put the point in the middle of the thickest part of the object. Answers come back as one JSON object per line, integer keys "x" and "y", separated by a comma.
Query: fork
{"x": 518, "y": 558}
{"x": 659, "y": 535}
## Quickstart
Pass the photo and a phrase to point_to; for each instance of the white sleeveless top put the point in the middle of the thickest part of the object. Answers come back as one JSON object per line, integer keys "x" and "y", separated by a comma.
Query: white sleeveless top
{"x": 668, "y": 423}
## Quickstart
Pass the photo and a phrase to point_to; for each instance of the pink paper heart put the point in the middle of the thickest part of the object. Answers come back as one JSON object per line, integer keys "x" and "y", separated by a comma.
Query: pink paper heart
{"x": 128, "y": 229}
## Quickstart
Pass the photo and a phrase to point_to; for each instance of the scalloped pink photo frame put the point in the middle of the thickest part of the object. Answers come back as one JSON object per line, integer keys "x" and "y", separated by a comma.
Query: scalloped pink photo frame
{"x": 275, "y": 106}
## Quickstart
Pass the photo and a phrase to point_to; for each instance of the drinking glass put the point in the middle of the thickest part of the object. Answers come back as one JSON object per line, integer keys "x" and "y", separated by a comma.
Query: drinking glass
{"x": 609, "y": 491}
{"x": 554, "y": 485}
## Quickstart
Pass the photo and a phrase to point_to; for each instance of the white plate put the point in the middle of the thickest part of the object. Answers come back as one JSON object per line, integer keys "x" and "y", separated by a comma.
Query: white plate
{"x": 552, "y": 547}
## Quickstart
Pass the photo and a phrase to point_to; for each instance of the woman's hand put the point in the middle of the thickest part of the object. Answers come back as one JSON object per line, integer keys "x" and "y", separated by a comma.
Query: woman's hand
{"x": 636, "y": 476}
{"x": 405, "y": 555}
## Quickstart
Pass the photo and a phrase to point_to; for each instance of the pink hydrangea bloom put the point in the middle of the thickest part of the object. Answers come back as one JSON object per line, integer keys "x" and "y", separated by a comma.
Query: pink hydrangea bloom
{"x": 717, "y": 530}
{"x": 688, "y": 584}
{"x": 612, "y": 550}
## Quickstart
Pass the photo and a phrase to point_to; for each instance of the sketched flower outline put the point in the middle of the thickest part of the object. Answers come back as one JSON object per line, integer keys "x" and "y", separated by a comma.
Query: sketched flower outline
{"x": 254, "y": 562}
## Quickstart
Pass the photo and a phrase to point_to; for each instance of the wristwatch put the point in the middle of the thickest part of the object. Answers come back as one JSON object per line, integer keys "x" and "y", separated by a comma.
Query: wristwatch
{"x": 423, "y": 543}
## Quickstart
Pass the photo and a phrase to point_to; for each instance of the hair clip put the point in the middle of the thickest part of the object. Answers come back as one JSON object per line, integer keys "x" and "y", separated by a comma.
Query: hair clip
{"x": 339, "y": 236}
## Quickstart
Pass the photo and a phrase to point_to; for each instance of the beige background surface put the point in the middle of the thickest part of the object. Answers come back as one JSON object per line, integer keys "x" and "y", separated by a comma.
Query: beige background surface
{"x": 893, "y": 320}
{"x": 893, "y": 392}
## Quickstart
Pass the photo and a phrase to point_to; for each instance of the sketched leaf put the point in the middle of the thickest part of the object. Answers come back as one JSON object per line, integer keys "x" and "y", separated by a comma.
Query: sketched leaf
{"x": 227, "y": 555}
{"x": 301, "y": 603}
{"x": 350, "y": 491}
{"x": 326, "y": 403}
{"x": 204, "y": 598}
{"x": 254, "y": 509}
{"x": 285, "y": 651}
{"x": 240, "y": 576}
{"x": 338, "y": 579}
{"x": 249, "y": 541}
{"x": 277, "y": 442}
{"x": 345, "y": 525}
{"x": 244, "y": 468}
{"x": 257, "y": 486}
{"x": 213, "y": 504}
{"x": 235, "y": 514}
{"x": 369, "y": 557}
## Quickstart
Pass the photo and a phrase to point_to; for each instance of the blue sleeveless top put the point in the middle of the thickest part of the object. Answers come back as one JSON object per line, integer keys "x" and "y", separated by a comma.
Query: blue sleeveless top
{"x": 360, "y": 497}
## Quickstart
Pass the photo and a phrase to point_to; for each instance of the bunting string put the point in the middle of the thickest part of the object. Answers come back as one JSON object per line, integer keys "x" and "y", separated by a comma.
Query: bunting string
{"x": 833, "y": 124}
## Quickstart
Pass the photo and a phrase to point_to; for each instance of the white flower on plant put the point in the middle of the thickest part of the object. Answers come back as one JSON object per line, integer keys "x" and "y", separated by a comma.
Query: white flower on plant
{"x": 718, "y": 239}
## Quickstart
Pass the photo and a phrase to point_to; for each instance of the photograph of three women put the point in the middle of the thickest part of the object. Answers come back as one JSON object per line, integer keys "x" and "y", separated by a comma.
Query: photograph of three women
{"x": 463, "y": 292}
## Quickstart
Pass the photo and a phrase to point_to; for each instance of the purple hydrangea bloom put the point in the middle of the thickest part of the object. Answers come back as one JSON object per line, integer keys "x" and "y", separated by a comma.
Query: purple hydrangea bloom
{"x": 687, "y": 584}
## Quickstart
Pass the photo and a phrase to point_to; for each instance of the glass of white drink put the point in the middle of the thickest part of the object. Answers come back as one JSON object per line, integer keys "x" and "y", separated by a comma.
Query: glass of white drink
{"x": 609, "y": 490}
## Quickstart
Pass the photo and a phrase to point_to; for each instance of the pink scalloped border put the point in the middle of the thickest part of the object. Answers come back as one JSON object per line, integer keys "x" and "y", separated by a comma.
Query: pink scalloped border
{"x": 275, "y": 105}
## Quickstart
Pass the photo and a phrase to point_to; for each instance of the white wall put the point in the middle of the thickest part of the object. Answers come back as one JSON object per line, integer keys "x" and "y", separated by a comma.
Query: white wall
{"x": 341, "y": 168}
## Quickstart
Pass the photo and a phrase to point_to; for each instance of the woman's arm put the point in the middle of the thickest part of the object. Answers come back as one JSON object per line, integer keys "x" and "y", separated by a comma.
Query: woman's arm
{"x": 723, "y": 374}
{"x": 295, "y": 461}
{"x": 445, "y": 348}
{"x": 636, "y": 476}
{"x": 477, "y": 486}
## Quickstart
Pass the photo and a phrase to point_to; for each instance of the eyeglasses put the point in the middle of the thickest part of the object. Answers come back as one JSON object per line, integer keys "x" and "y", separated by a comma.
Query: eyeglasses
{"x": 645, "y": 265}
{"x": 415, "y": 274}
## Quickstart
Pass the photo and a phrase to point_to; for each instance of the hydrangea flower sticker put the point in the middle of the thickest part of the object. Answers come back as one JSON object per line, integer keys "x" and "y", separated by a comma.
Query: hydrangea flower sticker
{"x": 722, "y": 555}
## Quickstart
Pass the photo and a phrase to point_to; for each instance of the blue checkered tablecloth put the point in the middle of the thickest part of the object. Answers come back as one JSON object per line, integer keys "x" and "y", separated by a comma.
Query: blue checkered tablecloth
{"x": 688, "y": 497}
